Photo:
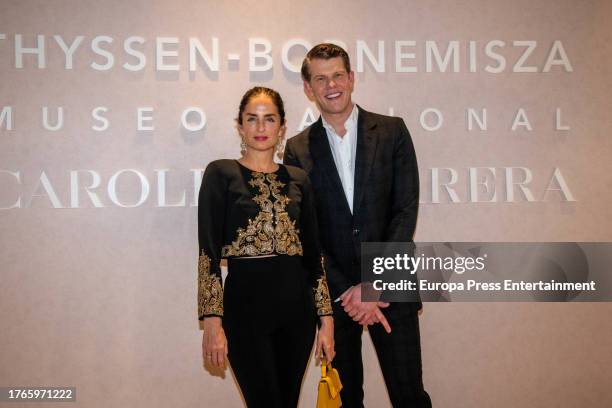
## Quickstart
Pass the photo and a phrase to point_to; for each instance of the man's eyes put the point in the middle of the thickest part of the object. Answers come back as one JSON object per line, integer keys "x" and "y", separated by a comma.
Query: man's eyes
{"x": 336, "y": 76}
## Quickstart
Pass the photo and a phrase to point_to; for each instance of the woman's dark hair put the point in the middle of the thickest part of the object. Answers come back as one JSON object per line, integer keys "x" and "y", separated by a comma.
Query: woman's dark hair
{"x": 262, "y": 90}
{"x": 324, "y": 51}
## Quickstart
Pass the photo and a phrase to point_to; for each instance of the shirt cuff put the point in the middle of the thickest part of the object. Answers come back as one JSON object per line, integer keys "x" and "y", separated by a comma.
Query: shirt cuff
{"x": 343, "y": 293}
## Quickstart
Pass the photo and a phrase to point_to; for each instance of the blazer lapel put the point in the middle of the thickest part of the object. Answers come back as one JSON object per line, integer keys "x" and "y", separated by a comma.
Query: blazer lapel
{"x": 367, "y": 140}
{"x": 320, "y": 151}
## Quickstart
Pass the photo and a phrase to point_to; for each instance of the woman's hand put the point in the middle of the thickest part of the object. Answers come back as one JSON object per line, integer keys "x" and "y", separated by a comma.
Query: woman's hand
{"x": 214, "y": 343}
{"x": 325, "y": 340}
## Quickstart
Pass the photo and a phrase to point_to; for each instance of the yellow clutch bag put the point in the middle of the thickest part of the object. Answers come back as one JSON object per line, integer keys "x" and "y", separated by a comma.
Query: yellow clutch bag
{"x": 329, "y": 387}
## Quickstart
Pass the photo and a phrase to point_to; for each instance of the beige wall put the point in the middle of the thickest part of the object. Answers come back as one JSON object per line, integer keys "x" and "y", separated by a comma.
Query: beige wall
{"x": 104, "y": 298}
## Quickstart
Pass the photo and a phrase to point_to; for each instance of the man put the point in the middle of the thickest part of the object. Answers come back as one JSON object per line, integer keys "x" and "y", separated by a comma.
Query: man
{"x": 364, "y": 172}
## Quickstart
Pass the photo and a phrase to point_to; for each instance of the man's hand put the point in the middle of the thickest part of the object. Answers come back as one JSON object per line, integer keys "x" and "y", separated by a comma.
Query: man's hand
{"x": 364, "y": 313}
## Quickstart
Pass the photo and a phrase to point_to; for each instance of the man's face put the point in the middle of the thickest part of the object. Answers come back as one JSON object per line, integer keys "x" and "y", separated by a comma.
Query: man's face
{"x": 330, "y": 86}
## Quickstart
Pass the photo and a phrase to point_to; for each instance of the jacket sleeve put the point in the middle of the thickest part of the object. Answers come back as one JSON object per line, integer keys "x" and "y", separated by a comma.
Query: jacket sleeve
{"x": 405, "y": 194}
{"x": 338, "y": 282}
{"x": 404, "y": 189}
{"x": 311, "y": 248}
{"x": 211, "y": 211}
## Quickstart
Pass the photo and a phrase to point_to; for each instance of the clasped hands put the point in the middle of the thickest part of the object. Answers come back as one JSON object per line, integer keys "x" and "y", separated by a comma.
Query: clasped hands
{"x": 365, "y": 313}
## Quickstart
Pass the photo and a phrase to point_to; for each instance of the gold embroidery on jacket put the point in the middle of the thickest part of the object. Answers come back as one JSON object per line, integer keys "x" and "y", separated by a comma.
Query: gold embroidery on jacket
{"x": 322, "y": 298}
{"x": 272, "y": 231}
{"x": 210, "y": 289}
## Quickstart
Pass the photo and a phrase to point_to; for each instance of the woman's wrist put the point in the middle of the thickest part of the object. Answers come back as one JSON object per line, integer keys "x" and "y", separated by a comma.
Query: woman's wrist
{"x": 327, "y": 320}
{"x": 212, "y": 320}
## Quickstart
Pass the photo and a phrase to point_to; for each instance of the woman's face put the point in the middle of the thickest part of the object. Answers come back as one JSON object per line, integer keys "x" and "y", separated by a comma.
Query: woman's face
{"x": 261, "y": 124}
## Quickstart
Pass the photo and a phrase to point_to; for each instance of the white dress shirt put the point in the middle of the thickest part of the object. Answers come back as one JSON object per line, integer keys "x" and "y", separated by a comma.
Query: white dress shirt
{"x": 344, "y": 151}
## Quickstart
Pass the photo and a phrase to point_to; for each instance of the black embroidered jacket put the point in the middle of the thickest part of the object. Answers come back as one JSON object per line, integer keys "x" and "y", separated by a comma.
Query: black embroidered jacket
{"x": 247, "y": 213}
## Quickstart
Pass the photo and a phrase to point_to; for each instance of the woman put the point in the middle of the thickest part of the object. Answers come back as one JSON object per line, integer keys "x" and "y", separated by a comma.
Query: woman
{"x": 261, "y": 217}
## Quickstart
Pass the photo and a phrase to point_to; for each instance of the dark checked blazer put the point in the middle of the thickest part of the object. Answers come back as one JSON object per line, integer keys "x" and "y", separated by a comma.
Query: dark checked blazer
{"x": 386, "y": 193}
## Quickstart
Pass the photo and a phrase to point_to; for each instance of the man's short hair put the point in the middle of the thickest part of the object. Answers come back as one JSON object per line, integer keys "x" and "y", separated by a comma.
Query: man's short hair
{"x": 324, "y": 51}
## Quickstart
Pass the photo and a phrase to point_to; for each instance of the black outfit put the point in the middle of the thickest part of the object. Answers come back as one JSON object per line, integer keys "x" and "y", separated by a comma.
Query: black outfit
{"x": 269, "y": 305}
{"x": 385, "y": 205}
{"x": 269, "y": 337}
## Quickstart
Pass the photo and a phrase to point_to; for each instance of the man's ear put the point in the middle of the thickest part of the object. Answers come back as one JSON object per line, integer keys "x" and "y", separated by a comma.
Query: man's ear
{"x": 308, "y": 90}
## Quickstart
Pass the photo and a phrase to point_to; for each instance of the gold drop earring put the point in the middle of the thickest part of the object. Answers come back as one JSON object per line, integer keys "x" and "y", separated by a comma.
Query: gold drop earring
{"x": 280, "y": 148}
{"x": 243, "y": 146}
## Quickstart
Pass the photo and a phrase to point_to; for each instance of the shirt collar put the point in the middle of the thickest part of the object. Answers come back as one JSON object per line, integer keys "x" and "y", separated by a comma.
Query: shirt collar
{"x": 349, "y": 124}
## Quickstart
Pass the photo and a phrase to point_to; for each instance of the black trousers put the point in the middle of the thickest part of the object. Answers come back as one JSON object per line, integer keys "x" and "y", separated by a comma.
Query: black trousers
{"x": 269, "y": 321}
{"x": 399, "y": 355}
